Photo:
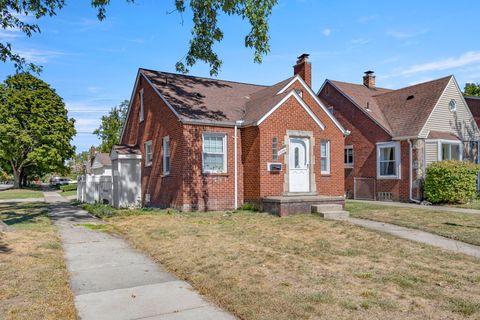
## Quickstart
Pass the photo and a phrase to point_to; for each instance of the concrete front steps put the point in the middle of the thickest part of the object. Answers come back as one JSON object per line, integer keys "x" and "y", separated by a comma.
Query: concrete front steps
{"x": 330, "y": 211}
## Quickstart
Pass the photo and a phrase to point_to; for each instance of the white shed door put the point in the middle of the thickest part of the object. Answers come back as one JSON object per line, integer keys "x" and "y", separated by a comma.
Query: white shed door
{"x": 299, "y": 165}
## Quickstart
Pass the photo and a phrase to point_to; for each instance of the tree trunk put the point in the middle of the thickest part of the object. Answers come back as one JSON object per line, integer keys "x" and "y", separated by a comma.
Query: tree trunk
{"x": 17, "y": 175}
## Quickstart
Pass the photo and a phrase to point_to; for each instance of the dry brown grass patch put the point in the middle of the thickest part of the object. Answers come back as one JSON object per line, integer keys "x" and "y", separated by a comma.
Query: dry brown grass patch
{"x": 33, "y": 277}
{"x": 263, "y": 267}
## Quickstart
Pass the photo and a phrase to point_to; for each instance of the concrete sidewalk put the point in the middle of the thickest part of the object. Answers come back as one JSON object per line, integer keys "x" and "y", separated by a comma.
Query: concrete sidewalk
{"x": 110, "y": 280}
{"x": 418, "y": 206}
{"x": 419, "y": 236}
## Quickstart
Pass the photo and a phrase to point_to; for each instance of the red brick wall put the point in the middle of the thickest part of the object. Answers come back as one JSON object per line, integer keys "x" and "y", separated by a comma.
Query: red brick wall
{"x": 204, "y": 191}
{"x": 365, "y": 134}
{"x": 159, "y": 122}
{"x": 277, "y": 124}
{"x": 250, "y": 161}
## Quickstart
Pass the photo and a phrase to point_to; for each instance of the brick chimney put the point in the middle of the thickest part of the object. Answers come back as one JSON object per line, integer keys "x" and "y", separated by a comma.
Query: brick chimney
{"x": 304, "y": 69}
{"x": 369, "y": 79}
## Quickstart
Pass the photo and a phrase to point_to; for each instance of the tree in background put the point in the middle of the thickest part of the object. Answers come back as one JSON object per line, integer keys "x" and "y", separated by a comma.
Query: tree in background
{"x": 35, "y": 131}
{"x": 111, "y": 128}
{"x": 472, "y": 89}
{"x": 205, "y": 32}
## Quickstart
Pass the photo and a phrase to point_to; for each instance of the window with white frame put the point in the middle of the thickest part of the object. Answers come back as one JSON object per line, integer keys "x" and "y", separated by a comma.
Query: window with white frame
{"x": 274, "y": 148}
{"x": 348, "y": 157}
{"x": 214, "y": 152}
{"x": 148, "y": 153}
{"x": 388, "y": 160}
{"x": 451, "y": 151}
{"x": 142, "y": 108}
{"x": 325, "y": 157}
{"x": 166, "y": 155}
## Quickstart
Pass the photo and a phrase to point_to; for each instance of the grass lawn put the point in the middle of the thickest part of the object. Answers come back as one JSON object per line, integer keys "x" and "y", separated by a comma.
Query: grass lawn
{"x": 20, "y": 194}
{"x": 475, "y": 204}
{"x": 458, "y": 226}
{"x": 68, "y": 193}
{"x": 33, "y": 276}
{"x": 259, "y": 266}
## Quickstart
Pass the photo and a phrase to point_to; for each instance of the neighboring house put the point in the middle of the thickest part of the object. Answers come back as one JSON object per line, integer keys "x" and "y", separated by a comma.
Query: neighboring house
{"x": 96, "y": 184}
{"x": 474, "y": 105}
{"x": 215, "y": 144}
{"x": 101, "y": 165}
{"x": 396, "y": 134}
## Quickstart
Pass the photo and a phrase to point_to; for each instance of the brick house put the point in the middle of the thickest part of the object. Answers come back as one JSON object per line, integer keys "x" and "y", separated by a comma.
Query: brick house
{"x": 396, "y": 134}
{"x": 474, "y": 106}
{"x": 210, "y": 144}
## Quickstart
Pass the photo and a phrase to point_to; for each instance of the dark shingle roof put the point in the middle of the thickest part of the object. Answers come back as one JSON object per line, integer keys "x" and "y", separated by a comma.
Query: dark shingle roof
{"x": 126, "y": 149}
{"x": 103, "y": 158}
{"x": 401, "y": 112}
{"x": 474, "y": 106}
{"x": 205, "y": 99}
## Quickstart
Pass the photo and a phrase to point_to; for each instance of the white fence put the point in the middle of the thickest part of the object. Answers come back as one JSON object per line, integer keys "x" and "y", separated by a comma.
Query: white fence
{"x": 95, "y": 189}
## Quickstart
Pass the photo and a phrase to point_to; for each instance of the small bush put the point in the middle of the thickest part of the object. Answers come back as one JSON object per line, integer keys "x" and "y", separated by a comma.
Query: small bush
{"x": 69, "y": 187}
{"x": 451, "y": 182}
{"x": 99, "y": 210}
{"x": 248, "y": 207}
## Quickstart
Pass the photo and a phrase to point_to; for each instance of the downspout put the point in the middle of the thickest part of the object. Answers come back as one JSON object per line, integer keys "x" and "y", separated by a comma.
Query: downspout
{"x": 235, "y": 155}
{"x": 410, "y": 165}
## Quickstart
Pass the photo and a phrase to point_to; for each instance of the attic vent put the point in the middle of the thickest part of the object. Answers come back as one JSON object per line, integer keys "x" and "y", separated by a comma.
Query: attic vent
{"x": 410, "y": 97}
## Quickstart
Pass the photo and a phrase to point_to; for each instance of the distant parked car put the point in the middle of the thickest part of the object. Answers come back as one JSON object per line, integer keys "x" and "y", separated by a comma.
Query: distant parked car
{"x": 57, "y": 181}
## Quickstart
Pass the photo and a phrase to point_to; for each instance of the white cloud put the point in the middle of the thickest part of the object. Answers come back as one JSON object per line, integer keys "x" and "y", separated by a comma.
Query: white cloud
{"x": 39, "y": 56}
{"x": 327, "y": 32}
{"x": 86, "y": 124}
{"x": 445, "y": 64}
{"x": 360, "y": 41}
{"x": 10, "y": 34}
{"x": 402, "y": 35}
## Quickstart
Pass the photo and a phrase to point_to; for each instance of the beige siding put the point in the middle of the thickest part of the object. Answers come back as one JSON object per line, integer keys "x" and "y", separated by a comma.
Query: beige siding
{"x": 460, "y": 122}
{"x": 431, "y": 152}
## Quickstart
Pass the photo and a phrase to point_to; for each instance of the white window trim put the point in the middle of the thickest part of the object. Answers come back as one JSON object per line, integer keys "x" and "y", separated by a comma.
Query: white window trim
{"x": 398, "y": 160}
{"x": 165, "y": 172}
{"x": 149, "y": 163}
{"x": 325, "y": 172}
{"x": 142, "y": 106}
{"x": 349, "y": 165}
{"x": 442, "y": 141}
{"x": 225, "y": 152}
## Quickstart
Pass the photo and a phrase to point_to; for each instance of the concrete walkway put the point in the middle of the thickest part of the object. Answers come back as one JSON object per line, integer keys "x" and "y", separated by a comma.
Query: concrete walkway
{"x": 110, "y": 280}
{"x": 418, "y": 206}
{"x": 419, "y": 236}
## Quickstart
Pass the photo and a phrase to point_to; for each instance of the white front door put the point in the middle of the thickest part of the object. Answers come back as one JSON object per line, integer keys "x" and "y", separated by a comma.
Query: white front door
{"x": 299, "y": 165}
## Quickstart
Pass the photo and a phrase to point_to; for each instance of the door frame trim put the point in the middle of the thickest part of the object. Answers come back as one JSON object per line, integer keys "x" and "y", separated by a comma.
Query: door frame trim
{"x": 305, "y": 135}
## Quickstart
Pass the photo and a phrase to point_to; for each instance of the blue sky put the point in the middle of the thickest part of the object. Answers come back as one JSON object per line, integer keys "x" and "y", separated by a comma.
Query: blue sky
{"x": 93, "y": 64}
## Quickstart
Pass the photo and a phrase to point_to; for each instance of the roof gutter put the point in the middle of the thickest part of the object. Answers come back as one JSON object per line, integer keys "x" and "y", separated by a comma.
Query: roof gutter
{"x": 405, "y": 138}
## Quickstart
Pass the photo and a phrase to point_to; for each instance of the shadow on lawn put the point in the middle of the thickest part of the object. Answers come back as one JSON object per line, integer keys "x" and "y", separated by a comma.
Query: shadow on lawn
{"x": 3, "y": 246}
{"x": 22, "y": 213}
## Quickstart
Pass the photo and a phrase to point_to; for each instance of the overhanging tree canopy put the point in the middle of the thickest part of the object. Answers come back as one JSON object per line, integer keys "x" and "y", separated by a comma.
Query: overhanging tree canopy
{"x": 35, "y": 131}
{"x": 205, "y": 31}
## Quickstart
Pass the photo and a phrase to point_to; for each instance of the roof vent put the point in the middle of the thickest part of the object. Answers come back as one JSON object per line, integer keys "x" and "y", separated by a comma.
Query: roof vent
{"x": 410, "y": 97}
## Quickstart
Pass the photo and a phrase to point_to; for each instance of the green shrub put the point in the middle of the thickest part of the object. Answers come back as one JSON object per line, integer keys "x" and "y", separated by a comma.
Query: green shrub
{"x": 451, "y": 182}
{"x": 99, "y": 210}
{"x": 247, "y": 206}
{"x": 68, "y": 187}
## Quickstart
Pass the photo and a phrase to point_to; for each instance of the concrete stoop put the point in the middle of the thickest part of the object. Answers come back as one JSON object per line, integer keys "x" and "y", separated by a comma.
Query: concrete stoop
{"x": 330, "y": 211}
